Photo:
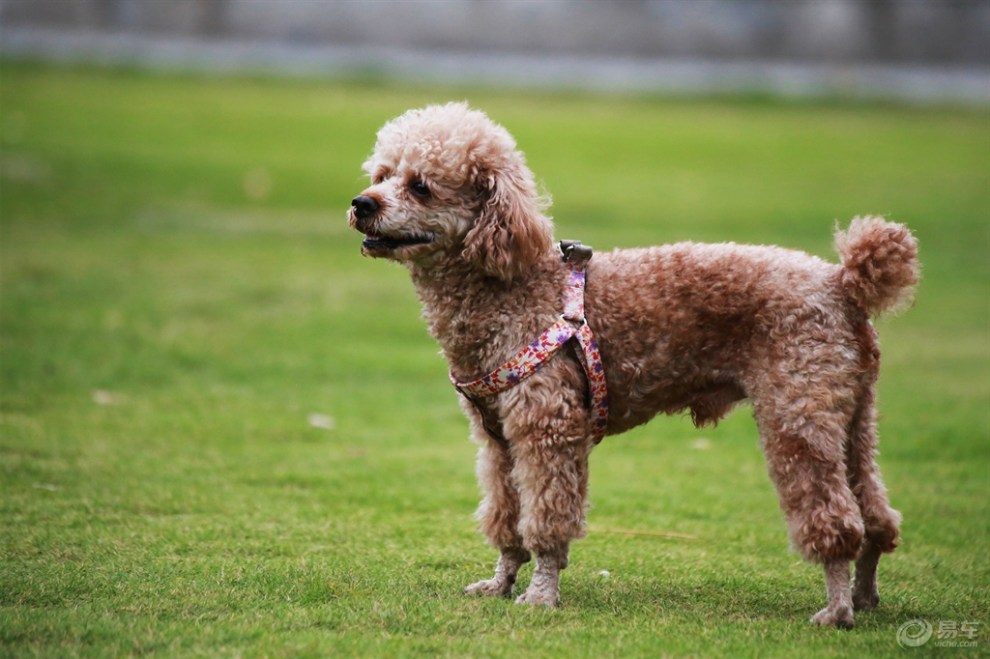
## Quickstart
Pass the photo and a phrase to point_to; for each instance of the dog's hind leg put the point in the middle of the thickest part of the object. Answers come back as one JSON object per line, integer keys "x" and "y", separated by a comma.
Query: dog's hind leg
{"x": 839, "y": 611}
{"x": 498, "y": 516}
{"x": 804, "y": 442}
{"x": 882, "y": 523}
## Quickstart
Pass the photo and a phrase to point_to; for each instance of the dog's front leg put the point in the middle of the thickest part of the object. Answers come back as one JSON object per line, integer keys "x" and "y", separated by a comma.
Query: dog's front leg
{"x": 552, "y": 476}
{"x": 544, "y": 587}
{"x": 509, "y": 562}
{"x": 498, "y": 516}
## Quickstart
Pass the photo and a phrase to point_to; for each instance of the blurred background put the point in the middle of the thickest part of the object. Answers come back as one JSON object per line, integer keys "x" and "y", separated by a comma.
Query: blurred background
{"x": 906, "y": 49}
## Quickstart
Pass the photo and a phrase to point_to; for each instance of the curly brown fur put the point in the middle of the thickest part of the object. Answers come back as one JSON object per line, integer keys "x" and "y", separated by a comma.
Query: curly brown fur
{"x": 687, "y": 326}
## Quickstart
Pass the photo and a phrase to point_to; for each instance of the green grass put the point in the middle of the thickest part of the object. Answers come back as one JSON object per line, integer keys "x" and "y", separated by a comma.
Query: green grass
{"x": 179, "y": 293}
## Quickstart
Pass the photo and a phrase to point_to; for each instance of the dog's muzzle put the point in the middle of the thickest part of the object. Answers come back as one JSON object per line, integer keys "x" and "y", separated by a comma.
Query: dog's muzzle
{"x": 365, "y": 211}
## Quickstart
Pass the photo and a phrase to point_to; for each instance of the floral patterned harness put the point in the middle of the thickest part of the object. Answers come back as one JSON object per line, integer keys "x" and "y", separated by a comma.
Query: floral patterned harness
{"x": 571, "y": 325}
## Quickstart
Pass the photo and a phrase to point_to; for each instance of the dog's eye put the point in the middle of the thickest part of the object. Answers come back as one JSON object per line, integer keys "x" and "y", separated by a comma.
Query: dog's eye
{"x": 381, "y": 176}
{"x": 419, "y": 188}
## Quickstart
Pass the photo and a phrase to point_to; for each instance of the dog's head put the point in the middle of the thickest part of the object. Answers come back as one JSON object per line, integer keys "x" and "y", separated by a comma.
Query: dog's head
{"x": 448, "y": 183}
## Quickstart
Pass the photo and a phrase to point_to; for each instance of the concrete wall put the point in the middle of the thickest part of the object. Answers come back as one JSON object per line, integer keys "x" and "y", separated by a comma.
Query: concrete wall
{"x": 930, "y": 32}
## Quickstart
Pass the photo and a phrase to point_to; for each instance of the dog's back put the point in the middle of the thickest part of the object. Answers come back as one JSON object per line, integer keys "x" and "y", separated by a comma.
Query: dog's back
{"x": 689, "y": 326}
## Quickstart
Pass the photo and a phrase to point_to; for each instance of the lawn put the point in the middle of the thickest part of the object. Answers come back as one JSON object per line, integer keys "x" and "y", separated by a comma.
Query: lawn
{"x": 224, "y": 433}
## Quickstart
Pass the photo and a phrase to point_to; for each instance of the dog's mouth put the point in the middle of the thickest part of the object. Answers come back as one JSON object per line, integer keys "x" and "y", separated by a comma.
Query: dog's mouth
{"x": 378, "y": 244}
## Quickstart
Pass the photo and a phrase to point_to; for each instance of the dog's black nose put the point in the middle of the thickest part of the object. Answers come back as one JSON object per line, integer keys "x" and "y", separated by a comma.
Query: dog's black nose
{"x": 364, "y": 206}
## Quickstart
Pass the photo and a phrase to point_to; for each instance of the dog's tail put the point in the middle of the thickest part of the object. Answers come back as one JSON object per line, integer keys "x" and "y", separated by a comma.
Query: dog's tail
{"x": 879, "y": 264}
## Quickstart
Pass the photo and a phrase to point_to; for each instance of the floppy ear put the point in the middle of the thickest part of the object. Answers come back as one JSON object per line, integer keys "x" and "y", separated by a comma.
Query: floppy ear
{"x": 510, "y": 233}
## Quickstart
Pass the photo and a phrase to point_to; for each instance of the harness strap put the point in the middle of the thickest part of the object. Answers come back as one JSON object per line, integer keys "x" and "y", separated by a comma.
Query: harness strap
{"x": 572, "y": 325}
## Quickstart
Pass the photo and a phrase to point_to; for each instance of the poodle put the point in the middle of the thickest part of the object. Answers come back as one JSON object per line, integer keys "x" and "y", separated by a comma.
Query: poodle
{"x": 683, "y": 327}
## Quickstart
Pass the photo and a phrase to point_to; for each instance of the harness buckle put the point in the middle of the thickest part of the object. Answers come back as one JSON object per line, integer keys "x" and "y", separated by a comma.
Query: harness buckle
{"x": 575, "y": 253}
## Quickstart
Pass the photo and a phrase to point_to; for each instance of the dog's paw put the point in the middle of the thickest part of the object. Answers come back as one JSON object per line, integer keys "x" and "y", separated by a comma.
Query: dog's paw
{"x": 490, "y": 588}
{"x": 539, "y": 597}
{"x": 865, "y": 599}
{"x": 841, "y": 617}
